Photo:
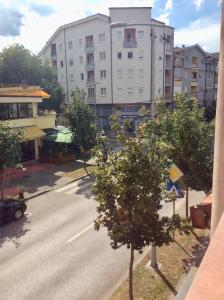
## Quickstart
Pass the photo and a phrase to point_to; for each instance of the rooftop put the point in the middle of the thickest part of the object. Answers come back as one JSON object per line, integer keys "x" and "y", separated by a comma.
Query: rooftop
{"x": 19, "y": 91}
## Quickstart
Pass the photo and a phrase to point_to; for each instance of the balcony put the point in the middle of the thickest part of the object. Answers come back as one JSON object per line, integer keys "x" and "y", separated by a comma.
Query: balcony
{"x": 194, "y": 66}
{"x": 91, "y": 99}
{"x": 42, "y": 122}
{"x": 194, "y": 82}
{"x": 89, "y": 48}
{"x": 130, "y": 44}
{"x": 90, "y": 66}
{"x": 90, "y": 83}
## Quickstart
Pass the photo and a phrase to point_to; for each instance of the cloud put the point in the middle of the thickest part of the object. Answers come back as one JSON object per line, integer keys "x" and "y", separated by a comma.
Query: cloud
{"x": 43, "y": 10}
{"x": 204, "y": 31}
{"x": 164, "y": 17}
{"x": 169, "y": 5}
{"x": 198, "y": 4}
{"x": 10, "y": 21}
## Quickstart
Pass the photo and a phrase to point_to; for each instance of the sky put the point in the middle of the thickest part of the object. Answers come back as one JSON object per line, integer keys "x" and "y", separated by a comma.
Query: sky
{"x": 32, "y": 22}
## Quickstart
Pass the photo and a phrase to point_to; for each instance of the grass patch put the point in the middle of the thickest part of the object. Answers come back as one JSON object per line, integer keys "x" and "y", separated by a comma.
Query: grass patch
{"x": 174, "y": 260}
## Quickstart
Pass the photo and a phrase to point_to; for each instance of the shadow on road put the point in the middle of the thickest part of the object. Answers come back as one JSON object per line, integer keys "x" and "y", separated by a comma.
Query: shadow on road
{"x": 12, "y": 232}
{"x": 85, "y": 187}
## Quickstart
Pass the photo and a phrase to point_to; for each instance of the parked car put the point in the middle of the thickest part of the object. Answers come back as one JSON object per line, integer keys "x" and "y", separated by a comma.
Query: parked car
{"x": 12, "y": 210}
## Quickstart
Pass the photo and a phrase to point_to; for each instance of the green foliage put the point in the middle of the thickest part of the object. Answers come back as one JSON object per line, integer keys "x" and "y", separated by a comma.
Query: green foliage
{"x": 82, "y": 120}
{"x": 18, "y": 65}
{"x": 129, "y": 189}
{"x": 191, "y": 139}
{"x": 10, "y": 139}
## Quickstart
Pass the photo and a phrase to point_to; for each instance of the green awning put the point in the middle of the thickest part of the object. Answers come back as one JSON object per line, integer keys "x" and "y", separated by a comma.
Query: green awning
{"x": 59, "y": 136}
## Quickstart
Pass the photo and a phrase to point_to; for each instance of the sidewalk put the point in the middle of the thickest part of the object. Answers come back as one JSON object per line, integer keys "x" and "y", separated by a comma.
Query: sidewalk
{"x": 41, "y": 177}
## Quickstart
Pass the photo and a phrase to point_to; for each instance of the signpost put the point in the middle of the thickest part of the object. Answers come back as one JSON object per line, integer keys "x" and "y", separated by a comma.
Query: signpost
{"x": 175, "y": 174}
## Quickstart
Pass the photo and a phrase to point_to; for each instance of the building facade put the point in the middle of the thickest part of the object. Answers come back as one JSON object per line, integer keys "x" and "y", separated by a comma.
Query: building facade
{"x": 196, "y": 73}
{"x": 19, "y": 108}
{"x": 123, "y": 61}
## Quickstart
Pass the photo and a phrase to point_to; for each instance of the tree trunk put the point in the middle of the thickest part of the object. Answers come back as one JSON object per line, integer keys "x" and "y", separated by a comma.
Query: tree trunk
{"x": 153, "y": 263}
{"x": 130, "y": 274}
{"x": 1, "y": 184}
{"x": 187, "y": 197}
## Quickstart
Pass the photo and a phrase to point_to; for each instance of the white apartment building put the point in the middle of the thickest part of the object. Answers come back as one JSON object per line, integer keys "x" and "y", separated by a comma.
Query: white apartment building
{"x": 123, "y": 61}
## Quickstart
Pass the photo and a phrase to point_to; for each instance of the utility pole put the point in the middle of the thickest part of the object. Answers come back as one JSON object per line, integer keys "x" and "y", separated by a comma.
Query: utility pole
{"x": 218, "y": 169}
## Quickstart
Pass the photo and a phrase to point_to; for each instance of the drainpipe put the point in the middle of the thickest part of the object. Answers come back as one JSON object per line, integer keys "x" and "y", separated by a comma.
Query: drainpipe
{"x": 218, "y": 169}
{"x": 66, "y": 69}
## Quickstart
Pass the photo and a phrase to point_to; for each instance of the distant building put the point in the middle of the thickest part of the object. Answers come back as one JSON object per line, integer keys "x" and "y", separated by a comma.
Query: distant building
{"x": 19, "y": 108}
{"x": 196, "y": 73}
{"x": 122, "y": 61}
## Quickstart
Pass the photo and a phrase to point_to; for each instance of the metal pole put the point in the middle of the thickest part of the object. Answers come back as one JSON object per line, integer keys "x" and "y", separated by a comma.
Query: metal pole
{"x": 218, "y": 169}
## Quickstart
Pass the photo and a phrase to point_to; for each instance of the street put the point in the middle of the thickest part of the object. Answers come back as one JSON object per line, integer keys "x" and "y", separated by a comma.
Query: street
{"x": 55, "y": 253}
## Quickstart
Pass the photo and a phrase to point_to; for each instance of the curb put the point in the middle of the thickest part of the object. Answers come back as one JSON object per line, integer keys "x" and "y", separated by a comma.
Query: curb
{"x": 54, "y": 188}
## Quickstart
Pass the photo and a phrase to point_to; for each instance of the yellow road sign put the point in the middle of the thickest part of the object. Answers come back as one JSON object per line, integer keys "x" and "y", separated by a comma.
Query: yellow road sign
{"x": 175, "y": 173}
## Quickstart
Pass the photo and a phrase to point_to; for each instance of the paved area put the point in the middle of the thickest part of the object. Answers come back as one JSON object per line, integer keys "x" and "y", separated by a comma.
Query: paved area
{"x": 54, "y": 252}
{"x": 40, "y": 177}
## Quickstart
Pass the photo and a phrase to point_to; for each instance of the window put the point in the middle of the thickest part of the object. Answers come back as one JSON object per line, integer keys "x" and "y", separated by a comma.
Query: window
{"x": 80, "y": 42}
{"x": 70, "y": 45}
{"x": 119, "y": 55}
{"x": 141, "y": 73}
{"x": 89, "y": 41}
{"x": 54, "y": 63}
{"x": 82, "y": 76}
{"x": 103, "y": 74}
{"x": 60, "y": 47}
{"x": 130, "y": 73}
{"x": 130, "y": 90}
{"x": 72, "y": 77}
{"x": 194, "y": 60}
{"x": 102, "y": 55}
{"x": 102, "y": 37}
{"x": 61, "y": 63}
{"x": 103, "y": 91}
{"x": 119, "y": 91}
{"x": 194, "y": 75}
{"x": 53, "y": 50}
{"x": 129, "y": 35}
{"x": 13, "y": 111}
{"x": 119, "y": 35}
{"x": 62, "y": 79}
{"x": 140, "y": 90}
{"x": 141, "y": 54}
{"x": 23, "y": 110}
{"x": 140, "y": 35}
{"x": 91, "y": 92}
{"x": 119, "y": 73}
{"x": 168, "y": 39}
{"x": 130, "y": 54}
{"x": 81, "y": 60}
{"x": 71, "y": 62}
{"x": 3, "y": 111}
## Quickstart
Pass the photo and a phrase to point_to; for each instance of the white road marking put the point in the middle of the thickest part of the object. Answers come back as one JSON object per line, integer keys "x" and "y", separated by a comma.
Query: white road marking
{"x": 68, "y": 186}
{"x": 80, "y": 233}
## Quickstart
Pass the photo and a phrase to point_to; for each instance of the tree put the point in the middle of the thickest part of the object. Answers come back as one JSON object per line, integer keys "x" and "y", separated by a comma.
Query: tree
{"x": 191, "y": 138}
{"x": 10, "y": 139}
{"x": 18, "y": 65}
{"x": 129, "y": 191}
{"x": 82, "y": 120}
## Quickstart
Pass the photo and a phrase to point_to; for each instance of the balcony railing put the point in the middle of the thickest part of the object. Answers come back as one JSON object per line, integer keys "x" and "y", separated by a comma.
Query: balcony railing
{"x": 90, "y": 83}
{"x": 168, "y": 80}
{"x": 89, "y": 48}
{"x": 90, "y": 65}
{"x": 91, "y": 99}
{"x": 130, "y": 44}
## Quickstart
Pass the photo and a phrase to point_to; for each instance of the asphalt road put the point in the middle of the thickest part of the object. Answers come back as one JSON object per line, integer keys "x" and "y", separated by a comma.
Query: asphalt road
{"x": 54, "y": 252}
